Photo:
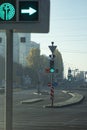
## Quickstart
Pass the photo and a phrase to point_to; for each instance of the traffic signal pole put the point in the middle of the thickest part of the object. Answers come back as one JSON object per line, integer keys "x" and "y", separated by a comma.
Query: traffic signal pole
{"x": 9, "y": 80}
{"x": 52, "y": 70}
{"x": 52, "y": 91}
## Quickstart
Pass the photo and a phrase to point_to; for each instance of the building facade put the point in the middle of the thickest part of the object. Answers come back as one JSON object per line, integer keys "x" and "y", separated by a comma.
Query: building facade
{"x": 21, "y": 46}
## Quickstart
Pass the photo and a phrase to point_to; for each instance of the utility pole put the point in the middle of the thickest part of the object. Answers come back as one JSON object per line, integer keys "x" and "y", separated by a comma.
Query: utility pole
{"x": 9, "y": 81}
{"x": 52, "y": 70}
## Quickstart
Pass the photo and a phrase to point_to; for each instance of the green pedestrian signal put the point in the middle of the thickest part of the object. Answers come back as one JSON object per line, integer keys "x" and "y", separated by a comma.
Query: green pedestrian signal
{"x": 7, "y": 11}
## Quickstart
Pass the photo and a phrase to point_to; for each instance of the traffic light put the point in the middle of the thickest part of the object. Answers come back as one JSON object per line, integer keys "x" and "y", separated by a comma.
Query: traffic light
{"x": 25, "y": 15}
{"x": 29, "y": 10}
{"x": 47, "y": 70}
{"x": 52, "y": 70}
{"x": 69, "y": 74}
{"x": 69, "y": 77}
{"x": 7, "y": 10}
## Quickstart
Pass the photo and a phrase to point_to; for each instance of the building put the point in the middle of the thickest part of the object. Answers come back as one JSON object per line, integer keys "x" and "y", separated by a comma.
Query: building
{"x": 21, "y": 46}
{"x": 2, "y": 43}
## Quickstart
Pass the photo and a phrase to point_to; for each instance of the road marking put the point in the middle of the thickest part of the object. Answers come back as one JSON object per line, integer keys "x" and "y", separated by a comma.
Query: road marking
{"x": 64, "y": 91}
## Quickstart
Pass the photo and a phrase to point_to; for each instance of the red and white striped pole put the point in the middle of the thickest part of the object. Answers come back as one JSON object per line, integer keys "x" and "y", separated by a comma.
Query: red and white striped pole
{"x": 52, "y": 95}
{"x": 52, "y": 70}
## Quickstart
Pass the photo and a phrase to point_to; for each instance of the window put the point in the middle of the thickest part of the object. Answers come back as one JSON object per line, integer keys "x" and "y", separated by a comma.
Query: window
{"x": 22, "y": 39}
{"x": 0, "y": 39}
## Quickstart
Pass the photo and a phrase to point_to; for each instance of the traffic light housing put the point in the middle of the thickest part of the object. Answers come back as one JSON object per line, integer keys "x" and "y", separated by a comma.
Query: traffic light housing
{"x": 7, "y": 10}
{"x": 25, "y": 15}
{"x": 69, "y": 77}
{"x": 52, "y": 70}
{"x": 69, "y": 74}
{"x": 29, "y": 11}
{"x": 47, "y": 70}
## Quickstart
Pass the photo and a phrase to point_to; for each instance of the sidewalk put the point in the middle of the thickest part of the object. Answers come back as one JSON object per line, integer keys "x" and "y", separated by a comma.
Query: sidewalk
{"x": 75, "y": 98}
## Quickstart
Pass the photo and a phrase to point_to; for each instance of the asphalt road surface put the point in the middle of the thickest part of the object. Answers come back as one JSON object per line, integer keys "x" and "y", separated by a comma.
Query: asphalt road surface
{"x": 35, "y": 117}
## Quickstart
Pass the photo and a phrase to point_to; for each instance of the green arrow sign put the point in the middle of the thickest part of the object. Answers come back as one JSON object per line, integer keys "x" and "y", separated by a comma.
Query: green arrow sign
{"x": 29, "y": 11}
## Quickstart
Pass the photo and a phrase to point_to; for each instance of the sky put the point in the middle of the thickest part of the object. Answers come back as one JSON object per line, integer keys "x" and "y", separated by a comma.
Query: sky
{"x": 68, "y": 31}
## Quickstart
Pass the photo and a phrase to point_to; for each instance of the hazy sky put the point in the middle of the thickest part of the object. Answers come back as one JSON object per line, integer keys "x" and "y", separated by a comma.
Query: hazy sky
{"x": 68, "y": 30}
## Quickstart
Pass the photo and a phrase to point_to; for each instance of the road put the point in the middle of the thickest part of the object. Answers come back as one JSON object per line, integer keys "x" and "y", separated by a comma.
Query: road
{"x": 36, "y": 117}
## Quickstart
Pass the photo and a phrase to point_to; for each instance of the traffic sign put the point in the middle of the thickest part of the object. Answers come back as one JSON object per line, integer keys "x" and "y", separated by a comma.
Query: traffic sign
{"x": 7, "y": 10}
{"x": 28, "y": 10}
{"x": 55, "y": 84}
{"x": 52, "y": 48}
{"x": 49, "y": 84}
{"x": 25, "y": 15}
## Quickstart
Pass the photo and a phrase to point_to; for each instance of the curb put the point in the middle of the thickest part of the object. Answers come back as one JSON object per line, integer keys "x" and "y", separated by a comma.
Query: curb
{"x": 30, "y": 101}
{"x": 76, "y": 98}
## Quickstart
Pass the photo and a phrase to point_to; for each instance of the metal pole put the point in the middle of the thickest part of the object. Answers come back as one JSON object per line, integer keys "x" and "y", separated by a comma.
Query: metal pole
{"x": 52, "y": 104}
{"x": 9, "y": 80}
{"x": 52, "y": 96}
{"x": 52, "y": 48}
